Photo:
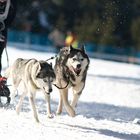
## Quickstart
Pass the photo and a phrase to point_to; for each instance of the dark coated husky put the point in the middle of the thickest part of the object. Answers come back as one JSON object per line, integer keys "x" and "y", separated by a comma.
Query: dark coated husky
{"x": 71, "y": 70}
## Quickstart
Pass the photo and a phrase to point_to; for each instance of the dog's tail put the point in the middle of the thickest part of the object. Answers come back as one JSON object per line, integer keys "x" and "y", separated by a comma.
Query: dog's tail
{"x": 7, "y": 72}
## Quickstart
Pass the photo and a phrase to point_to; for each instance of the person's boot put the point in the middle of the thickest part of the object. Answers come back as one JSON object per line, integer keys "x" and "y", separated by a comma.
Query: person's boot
{"x": 4, "y": 90}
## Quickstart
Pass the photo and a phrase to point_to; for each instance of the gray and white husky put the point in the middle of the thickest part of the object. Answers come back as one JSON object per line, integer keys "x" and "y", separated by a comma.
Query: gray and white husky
{"x": 71, "y": 70}
{"x": 35, "y": 75}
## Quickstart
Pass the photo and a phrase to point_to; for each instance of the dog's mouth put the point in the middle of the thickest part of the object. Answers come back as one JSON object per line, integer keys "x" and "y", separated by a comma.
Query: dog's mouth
{"x": 77, "y": 71}
{"x": 47, "y": 92}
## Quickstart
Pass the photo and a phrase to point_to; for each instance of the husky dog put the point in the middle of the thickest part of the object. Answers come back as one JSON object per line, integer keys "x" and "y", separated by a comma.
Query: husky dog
{"x": 71, "y": 70}
{"x": 35, "y": 75}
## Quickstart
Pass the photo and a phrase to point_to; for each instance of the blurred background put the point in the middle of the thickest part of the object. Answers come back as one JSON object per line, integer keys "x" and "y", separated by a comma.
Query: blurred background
{"x": 110, "y": 29}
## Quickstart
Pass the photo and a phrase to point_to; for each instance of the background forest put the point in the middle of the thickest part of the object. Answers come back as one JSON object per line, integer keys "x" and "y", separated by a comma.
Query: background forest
{"x": 103, "y": 22}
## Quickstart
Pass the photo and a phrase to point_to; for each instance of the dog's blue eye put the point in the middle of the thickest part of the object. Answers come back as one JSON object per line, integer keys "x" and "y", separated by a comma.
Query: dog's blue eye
{"x": 82, "y": 59}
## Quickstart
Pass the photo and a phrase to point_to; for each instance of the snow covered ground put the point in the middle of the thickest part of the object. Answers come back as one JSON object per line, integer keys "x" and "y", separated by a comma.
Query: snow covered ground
{"x": 108, "y": 109}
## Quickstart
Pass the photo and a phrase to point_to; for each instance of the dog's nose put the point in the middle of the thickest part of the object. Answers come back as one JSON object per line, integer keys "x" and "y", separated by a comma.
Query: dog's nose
{"x": 50, "y": 90}
{"x": 79, "y": 65}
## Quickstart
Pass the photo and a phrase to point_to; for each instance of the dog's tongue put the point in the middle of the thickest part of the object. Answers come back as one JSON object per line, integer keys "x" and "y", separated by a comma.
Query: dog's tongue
{"x": 77, "y": 71}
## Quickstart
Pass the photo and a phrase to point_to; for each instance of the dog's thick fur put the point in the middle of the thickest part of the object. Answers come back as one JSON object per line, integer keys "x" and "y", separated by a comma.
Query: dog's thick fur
{"x": 71, "y": 70}
{"x": 35, "y": 75}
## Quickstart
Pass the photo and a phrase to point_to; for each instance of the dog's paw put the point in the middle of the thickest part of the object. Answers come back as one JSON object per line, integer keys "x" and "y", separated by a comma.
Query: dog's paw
{"x": 37, "y": 120}
{"x": 17, "y": 110}
{"x": 72, "y": 113}
{"x": 58, "y": 112}
{"x": 50, "y": 116}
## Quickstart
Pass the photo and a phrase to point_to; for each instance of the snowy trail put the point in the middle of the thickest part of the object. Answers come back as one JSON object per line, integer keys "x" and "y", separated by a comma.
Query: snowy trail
{"x": 106, "y": 110}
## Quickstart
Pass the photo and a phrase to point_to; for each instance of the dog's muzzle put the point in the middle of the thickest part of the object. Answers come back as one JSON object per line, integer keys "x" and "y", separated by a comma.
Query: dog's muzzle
{"x": 77, "y": 70}
{"x": 49, "y": 91}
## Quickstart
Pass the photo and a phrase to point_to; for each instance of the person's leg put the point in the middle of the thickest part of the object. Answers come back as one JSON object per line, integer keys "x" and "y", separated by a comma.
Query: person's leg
{"x": 2, "y": 45}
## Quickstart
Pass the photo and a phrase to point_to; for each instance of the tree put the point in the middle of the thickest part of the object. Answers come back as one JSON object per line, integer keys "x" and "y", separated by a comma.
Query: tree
{"x": 135, "y": 30}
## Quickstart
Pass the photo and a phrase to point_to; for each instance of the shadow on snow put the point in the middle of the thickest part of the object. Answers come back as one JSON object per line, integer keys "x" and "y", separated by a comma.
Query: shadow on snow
{"x": 94, "y": 110}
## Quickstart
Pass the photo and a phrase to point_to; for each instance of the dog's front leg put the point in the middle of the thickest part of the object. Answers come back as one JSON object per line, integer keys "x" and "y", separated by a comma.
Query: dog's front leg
{"x": 75, "y": 100}
{"x": 47, "y": 98}
{"x": 32, "y": 102}
{"x": 59, "y": 108}
{"x": 69, "y": 109}
{"x": 76, "y": 95}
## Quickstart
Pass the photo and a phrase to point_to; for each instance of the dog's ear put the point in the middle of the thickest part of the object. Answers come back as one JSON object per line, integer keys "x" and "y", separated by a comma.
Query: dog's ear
{"x": 82, "y": 48}
{"x": 71, "y": 48}
{"x": 38, "y": 68}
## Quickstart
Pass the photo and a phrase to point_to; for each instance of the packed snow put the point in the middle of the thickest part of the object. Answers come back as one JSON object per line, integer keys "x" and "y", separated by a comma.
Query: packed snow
{"x": 108, "y": 109}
